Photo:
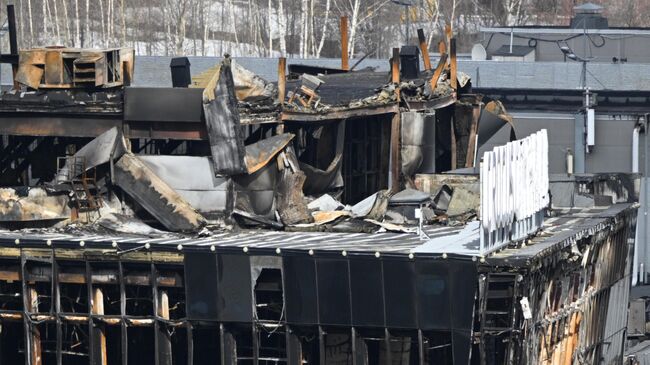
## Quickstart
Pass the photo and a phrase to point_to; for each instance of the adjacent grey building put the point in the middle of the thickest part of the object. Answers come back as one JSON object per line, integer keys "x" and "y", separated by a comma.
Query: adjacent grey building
{"x": 588, "y": 35}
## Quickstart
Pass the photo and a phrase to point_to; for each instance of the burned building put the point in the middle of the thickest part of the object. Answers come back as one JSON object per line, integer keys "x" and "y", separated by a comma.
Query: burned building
{"x": 333, "y": 217}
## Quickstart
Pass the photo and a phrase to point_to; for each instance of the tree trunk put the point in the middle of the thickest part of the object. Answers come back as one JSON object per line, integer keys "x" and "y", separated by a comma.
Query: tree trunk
{"x": 233, "y": 25}
{"x": 270, "y": 21}
{"x": 66, "y": 16}
{"x": 56, "y": 23}
{"x": 101, "y": 15}
{"x": 31, "y": 23}
{"x": 77, "y": 35}
{"x": 282, "y": 25}
{"x": 87, "y": 39}
{"x": 45, "y": 18}
{"x": 21, "y": 17}
{"x": 123, "y": 11}
{"x": 354, "y": 23}
{"x": 324, "y": 29}
{"x": 303, "y": 28}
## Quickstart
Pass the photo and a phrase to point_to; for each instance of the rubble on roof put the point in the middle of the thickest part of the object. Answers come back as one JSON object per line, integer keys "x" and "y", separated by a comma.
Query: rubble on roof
{"x": 67, "y": 68}
{"x": 327, "y": 155}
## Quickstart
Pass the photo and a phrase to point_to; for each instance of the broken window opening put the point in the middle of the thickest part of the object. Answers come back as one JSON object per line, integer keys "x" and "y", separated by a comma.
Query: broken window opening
{"x": 206, "y": 344}
{"x": 73, "y": 289}
{"x": 139, "y": 296}
{"x": 438, "y": 347}
{"x": 12, "y": 344}
{"x": 269, "y": 314}
{"x": 141, "y": 344}
{"x": 366, "y": 157}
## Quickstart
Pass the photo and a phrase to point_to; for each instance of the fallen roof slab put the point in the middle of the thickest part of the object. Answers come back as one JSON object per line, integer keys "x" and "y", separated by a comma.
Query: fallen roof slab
{"x": 156, "y": 196}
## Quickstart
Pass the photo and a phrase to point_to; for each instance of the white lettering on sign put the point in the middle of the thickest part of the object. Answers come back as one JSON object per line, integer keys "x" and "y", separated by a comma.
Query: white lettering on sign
{"x": 514, "y": 191}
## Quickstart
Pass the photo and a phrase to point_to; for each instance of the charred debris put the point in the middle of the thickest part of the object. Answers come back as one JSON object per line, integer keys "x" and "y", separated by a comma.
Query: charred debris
{"x": 333, "y": 217}
{"x": 318, "y": 150}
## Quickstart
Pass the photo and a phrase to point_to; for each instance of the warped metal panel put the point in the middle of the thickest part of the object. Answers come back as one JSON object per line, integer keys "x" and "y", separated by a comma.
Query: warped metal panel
{"x": 300, "y": 289}
{"x": 367, "y": 292}
{"x": 200, "y": 288}
{"x": 234, "y": 288}
{"x": 400, "y": 293}
{"x": 433, "y": 287}
{"x": 333, "y": 292}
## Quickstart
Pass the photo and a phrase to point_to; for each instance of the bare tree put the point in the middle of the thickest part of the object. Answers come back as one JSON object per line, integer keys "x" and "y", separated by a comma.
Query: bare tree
{"x": 282, "y": 26}
{"x": 324, "y": 29}
{"x": 31, "y": 25}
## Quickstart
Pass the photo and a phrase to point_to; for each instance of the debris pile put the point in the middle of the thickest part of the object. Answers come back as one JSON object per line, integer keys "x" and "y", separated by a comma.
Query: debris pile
{"x": 342, "y": 151}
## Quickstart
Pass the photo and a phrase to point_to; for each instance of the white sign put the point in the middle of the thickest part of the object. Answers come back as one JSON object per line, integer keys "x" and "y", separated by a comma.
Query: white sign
{"x": 514, "y": 191}
{"x": 525, "y": 308}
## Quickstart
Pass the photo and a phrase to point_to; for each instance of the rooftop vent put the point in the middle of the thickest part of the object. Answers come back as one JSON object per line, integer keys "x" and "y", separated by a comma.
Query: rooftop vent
{"x": 588, "y": 16}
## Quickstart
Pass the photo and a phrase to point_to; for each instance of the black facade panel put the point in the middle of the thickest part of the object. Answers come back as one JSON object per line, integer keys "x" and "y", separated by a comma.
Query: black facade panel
{"x": 300, "y": 294}
{"x": 201, "y": 286}
{"x": 367, "y": 293}
{"x": 399, "y": 293}
{"x": 235, "y": 295}
{"x": 433, "y": 288}
{"x": 463, "y": 278}
{"x": 461, "y": 346}
{"x": 158, "y": 104}
{"x": 333, "y": 292}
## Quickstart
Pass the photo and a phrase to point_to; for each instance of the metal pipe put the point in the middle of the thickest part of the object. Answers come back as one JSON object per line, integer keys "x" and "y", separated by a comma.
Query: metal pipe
{"x": 512, "y": 36}
{"x": 635, "y": 149}
{"x": 13, "y": 41}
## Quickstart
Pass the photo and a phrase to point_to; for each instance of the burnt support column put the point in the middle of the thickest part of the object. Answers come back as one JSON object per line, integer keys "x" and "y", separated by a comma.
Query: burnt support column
{"x": 100, "y": 356}
{"x": 255, "y": 343}
{"x": 33, "y": 351}
{"x": 420, "y": 347}
{"x": 321, "y": 346}
{"x": 228, "y": 346}
{"x": 358, "y": 348}
{"x": 190, "y": 343}
{"x": 389, "y": 356}
{"x": 161, "y": 308}
{"x": 123, "y": 326}
{"x": 56, "y": 297}
{"x": 294, "y": 348}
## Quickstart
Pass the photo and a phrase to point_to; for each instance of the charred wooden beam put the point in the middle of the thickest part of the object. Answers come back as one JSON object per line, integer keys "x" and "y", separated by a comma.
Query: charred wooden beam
{"x": 424, "y": 49}
{"x": 436, "y": 74}
{"x": 282, "y": 79}
{"x": 100, "y": 356}
{"x": 453, "y": 64}
{"x": 345, "y": 63}
{"x": 164, "y": 344}
{"x": 339, "y": 114}
{"x": 473, "y": 135}
{"x": 35, "y": 348}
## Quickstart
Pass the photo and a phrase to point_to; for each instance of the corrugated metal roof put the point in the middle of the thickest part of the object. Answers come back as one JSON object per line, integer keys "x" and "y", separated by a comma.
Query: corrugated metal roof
{"x": 559, "y": 232}
{"x": 386, "y": 242}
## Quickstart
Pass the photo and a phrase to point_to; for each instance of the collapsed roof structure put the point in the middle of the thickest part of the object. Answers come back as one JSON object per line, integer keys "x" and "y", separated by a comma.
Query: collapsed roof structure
{"x": 308, "y": 221}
